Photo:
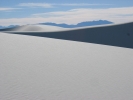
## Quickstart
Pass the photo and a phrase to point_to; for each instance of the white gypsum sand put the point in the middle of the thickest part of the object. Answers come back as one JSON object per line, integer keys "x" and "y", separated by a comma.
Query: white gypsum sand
{"x": 38, "y": 68}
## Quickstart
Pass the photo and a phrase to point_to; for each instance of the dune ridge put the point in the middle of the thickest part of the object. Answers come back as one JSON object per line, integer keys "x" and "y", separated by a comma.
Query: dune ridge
{"x": 120, "y": 35}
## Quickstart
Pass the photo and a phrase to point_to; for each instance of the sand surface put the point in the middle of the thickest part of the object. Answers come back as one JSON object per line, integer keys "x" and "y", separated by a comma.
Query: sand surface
{"x": 39, "y": 68}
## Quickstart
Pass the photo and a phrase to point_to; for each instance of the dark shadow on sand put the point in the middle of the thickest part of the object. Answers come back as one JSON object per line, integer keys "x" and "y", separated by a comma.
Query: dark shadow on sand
{"x": 114, "y": 35}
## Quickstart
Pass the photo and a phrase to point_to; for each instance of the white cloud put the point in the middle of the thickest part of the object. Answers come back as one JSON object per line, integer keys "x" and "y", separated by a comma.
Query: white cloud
{"x": 8, "y": 9}
{"x": 49, "y": 5}
{"x": 44, "y": 5}
{"x": 76, "y": 15}
{"x": 80, "y": 4}
{"x": 117, "y": 15}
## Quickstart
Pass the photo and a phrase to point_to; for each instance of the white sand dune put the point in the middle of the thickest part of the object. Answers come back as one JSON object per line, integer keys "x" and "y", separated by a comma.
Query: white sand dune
{"x": 38, "y": 68}
{"x": 35, "y": 28}
{"x": 49, "y": 28}
{"x": 115, "y": 34}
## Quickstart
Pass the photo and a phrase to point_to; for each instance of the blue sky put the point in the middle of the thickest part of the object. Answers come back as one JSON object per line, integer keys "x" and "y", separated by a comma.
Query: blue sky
{"x": 61, "y": 11}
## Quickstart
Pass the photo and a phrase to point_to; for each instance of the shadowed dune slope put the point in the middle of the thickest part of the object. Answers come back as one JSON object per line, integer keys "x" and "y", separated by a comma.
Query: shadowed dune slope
{"x": 115, "y": 35}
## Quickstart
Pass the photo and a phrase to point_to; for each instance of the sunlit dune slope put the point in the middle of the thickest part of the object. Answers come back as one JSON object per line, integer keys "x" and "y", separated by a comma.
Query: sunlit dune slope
{"x": 34, "y": 28}
{"x": 40, "y": 68}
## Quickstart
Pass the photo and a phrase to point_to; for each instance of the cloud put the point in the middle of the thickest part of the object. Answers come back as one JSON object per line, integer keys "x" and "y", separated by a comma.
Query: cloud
{"x": 8, "y": 9}
{"x": 48, "y": 5}
{"x": 80, "y": 4}
{"x": 74, "y": 16}
{"x": 44, "y": 5}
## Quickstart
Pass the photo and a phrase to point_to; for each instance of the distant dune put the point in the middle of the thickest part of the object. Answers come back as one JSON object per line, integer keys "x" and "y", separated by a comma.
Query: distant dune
{"x": 33, "y": 28}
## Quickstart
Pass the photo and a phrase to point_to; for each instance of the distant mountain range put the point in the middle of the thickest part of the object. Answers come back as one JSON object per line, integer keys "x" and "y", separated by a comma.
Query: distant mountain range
{"x": 10, "y": 26}
{"x": 81, "y": 24}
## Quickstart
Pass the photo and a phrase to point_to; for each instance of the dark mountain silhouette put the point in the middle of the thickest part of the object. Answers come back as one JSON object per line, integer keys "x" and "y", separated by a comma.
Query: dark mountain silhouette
{"x": 81, "y": 24}
{"x": 10, "y": 26}
{"x": 1, "y": 27}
